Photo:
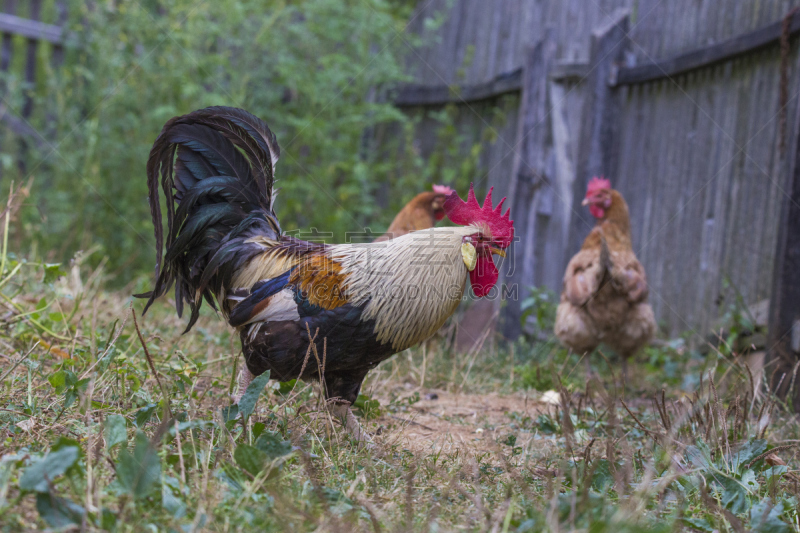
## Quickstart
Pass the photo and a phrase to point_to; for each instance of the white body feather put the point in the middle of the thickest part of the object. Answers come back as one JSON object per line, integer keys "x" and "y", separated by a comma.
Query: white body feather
{"x": 412, "y": 283}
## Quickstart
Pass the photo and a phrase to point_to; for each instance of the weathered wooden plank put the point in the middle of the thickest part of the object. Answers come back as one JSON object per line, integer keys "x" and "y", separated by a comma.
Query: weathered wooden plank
{"x": 706, "y": 56}
{"x": 678, "y": 149}
{"x": 433, "y": 95}
{"x": 784, "y": 322}
{"x": 31, "y": 29}
{"x": 572, "y": 72}
{"x": 428, "y": 95}
{"x": 598, "y": 138}
{"x": 529, "y": 174}
{"x": 9, "y": 9}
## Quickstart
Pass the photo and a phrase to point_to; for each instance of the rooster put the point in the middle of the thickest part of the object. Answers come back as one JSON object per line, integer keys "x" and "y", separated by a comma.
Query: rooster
{"x": 422, "y": 212}
{"x": 359, "y": 303}
{"x": 604, "y": 299}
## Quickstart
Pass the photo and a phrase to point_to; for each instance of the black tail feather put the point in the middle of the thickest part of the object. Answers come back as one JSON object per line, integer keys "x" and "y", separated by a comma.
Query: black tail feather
{"x": 217, "y": 164}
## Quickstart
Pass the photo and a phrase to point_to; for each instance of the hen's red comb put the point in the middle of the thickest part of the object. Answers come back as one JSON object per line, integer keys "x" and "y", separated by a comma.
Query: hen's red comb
{"x": 442, "y": 189}
{"x": 596, "y": 184}
{"x": 470, "y": 212}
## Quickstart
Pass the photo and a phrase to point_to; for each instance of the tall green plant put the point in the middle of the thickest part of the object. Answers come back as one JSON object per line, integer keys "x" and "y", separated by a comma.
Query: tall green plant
{"x": 313, "y": 69}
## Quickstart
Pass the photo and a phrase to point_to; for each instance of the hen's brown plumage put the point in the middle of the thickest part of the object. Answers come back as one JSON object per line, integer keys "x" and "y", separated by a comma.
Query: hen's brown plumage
{"x": 422, "y": 212}
{"x": 604, "y": 299}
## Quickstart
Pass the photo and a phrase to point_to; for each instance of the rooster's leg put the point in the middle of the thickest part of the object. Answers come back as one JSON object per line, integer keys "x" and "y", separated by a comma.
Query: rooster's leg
{"x": 245, "y": 377}
{"x": 342, "y": 411}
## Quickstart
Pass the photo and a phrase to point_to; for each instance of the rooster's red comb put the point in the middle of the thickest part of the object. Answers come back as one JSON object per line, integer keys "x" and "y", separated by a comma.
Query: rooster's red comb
{"x": 596, "y": 184}
{"x": 442, "y": 189}
{"x": 470, "y": 212}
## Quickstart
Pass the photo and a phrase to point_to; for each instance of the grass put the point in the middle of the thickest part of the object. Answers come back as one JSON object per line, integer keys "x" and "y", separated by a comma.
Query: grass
{"x": 111, "y": 421}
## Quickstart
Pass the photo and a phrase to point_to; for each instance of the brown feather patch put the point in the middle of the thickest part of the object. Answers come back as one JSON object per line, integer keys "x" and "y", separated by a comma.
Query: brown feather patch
{"x": 322, "y": 281}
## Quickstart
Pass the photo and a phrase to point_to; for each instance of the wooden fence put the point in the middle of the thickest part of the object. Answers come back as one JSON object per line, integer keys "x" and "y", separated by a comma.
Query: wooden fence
{"x": 23, "y": 35}
{"x": 678, "y": 102}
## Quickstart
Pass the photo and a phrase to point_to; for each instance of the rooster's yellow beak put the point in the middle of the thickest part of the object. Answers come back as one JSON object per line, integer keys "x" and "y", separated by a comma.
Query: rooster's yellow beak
{"x": 498, "y": 251}
{"x": 469, "y": 255}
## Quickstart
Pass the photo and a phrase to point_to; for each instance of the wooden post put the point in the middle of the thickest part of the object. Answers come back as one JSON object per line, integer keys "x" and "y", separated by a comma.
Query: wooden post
{"x": 599, "y": 139}
{"x": 533, "y": 147}
{"x": 9, "y": 7}
{"x": 784, "y": 316}
{"x": 30, "y": 61}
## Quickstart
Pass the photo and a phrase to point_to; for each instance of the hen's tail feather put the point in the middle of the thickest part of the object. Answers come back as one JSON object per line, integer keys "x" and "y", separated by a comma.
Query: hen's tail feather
{"x": 218, "y": 165}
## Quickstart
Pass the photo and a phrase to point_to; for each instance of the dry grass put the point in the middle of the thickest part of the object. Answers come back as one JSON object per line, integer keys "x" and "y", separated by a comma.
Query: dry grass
{"x": 462, "y": 441}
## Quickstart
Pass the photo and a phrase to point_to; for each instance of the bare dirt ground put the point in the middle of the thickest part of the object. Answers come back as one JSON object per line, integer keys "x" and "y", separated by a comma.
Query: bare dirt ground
{"x": 449, "y": 422}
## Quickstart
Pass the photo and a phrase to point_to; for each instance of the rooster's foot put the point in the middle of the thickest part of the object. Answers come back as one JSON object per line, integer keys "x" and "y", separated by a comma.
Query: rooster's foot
{"x": 342, "y": 412}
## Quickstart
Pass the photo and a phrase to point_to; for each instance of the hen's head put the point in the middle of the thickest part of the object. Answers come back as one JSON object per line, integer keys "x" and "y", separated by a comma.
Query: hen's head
{"x": 495, "y": 232}
{"x": 437, "y": 203}
{"x": 598, "y": 196}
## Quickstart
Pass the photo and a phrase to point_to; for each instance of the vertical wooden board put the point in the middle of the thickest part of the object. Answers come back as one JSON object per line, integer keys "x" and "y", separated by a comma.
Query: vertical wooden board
{"x": 439, "y": 67}
{"x": 473, "y": 27}
{"x": 493, "y": 40}
{"x": 633, "y": 169}
{"x": 693, "y": 196}
{"x": 684, "y": 303}
{"x": 735, "y": 254}
{"x": 761, "y": 138}
{"x": 514, "y": 57}
{"x": 479, "y": 70}
{"x": 778, "y": 171}
{"x": 668, "y": 242}
{"x": 727, "y": 123}
{"x": 505, "y": 49}
{"x": 642, "y": 30}
{"x": 686, "y": 220}
{"x": 708, "y": 174}
{"x": 760, "y": 97}
{"x": 723, "y": 104}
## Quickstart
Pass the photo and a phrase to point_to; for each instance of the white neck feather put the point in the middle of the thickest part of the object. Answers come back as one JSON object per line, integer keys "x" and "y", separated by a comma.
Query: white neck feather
{"x": 413, "y": 283}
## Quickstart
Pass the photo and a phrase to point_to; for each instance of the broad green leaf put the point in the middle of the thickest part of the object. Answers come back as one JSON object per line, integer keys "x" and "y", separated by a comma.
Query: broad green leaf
{"x": 286, "y": 387}
{"x": 766, "y": 517}
{"x": 273, "y": 445}
{"x": 749, "y": 451}
{"x": 140, "y": 470}
{"x": 108, "y": 520}
{"x": 699, "y": 454}
{"x": 62, "y": 380}
{"x": 36, "y": 476}
{"x": 58, "y": 380}
{"x": 170, "y": 500}
{"x": 775, "y": 471}
{"x": 734, "y": 495}
{"x": 250, "y": 458}
{"x": 115, "y": 431}
{"x": 58, "y": 512}
{"x": 230, "y": 413}
{"x": 700, "y": 524}
{"x": 248, "y": 401}
{"x": 368, "y": 407}
{"x": 144, "y": 414}
{"x": 749, "y": 481}
{"x": 53, "y": 271}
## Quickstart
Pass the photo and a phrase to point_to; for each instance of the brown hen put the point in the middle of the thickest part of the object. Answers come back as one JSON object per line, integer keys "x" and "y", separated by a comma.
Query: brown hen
{"x": 422, "y": 212}
{"x": 604, "y": 299}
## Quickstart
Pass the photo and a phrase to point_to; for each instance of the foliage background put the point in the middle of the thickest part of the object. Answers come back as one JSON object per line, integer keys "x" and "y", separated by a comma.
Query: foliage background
{"x": 318, "y": 71}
